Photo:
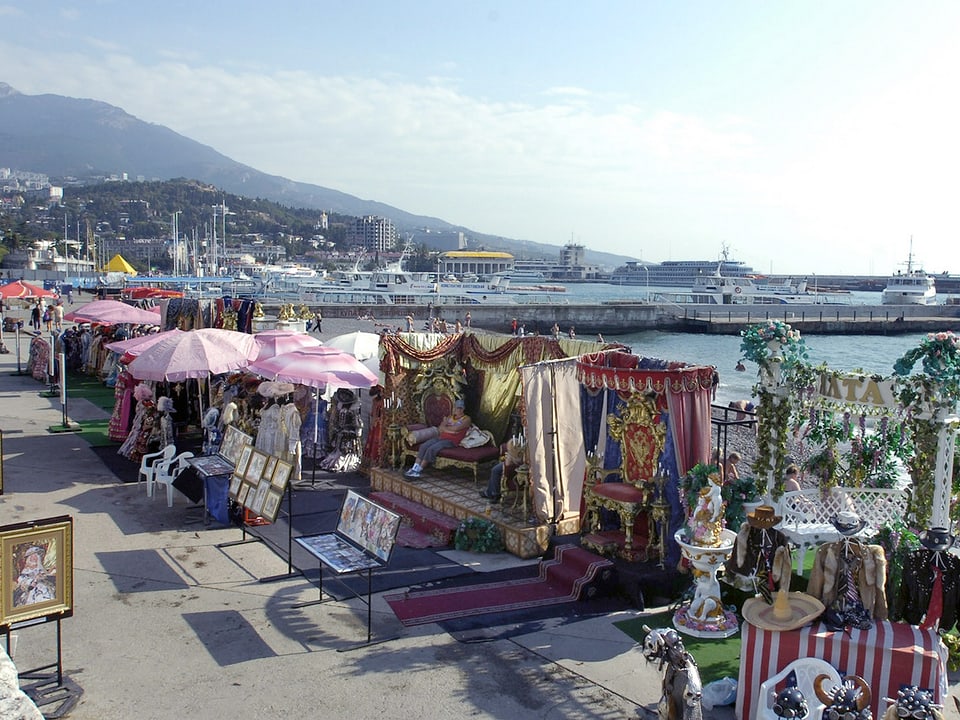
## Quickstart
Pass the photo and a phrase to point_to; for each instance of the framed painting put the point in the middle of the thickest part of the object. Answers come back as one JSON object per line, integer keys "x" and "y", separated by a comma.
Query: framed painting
{"x": 281, "y": 475}
{"x": 271, "y": 505}
{"x": 235, "y": 482}
{"x": 233, "y": 442}
{"x": 256, "y": 504}
{"x": 255, "y": 469}
{"x": 36, "y": 570}
{"x": 243, "y": 492}
{"x": 243, "y": 460}
{"x": 269, "y": 468}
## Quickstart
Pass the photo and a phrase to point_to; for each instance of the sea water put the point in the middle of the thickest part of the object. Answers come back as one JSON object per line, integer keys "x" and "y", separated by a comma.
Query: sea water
{"x": 873, "y": 354}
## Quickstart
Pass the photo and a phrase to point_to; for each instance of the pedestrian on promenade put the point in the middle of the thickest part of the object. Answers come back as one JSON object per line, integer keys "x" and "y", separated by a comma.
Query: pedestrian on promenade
{"x": 318, "y": 320}
{"x": 466, "y": 319}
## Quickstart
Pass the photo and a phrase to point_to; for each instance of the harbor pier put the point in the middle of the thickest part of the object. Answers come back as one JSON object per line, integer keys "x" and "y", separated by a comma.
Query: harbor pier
{"x": 622, "y": 318}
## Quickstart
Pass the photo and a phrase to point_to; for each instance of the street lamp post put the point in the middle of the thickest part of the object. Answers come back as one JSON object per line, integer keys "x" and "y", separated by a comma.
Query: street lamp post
{"x": 645, "y": 270}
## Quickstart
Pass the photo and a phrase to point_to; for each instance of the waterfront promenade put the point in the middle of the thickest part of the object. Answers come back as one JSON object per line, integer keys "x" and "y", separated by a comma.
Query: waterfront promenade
{"x": 170, "y": 625}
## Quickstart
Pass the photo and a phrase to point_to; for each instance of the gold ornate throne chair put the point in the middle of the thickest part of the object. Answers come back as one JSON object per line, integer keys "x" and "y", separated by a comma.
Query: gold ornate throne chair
{"x": 641, "y": 436}
{"x": 437, "y": 388}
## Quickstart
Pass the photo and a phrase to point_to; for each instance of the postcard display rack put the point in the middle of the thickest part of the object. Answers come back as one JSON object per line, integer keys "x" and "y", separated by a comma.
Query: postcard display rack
{"x": 215, "y": 470}
{"x": 36, "y": 587}
{"x": 257, "y": 484}
{"x": 363, "y": 541}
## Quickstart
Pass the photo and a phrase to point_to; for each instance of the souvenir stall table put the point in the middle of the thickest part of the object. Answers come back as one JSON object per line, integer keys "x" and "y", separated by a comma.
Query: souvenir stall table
{"x": 887, "y": 656}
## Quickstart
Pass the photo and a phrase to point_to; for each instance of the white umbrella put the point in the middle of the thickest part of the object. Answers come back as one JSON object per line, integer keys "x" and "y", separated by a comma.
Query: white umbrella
{"x": 362, "y": 345}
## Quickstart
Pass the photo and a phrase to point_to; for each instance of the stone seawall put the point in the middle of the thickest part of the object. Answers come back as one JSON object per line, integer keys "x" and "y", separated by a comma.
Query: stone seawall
{"x": 623, "y": 318}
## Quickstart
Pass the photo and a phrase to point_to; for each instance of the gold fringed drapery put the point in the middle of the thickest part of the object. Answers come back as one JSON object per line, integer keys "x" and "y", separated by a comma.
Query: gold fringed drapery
{"x": 489, "y": 361}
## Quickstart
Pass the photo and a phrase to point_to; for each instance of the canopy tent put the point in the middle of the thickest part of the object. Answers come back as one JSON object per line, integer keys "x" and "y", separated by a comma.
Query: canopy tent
{"x": 682, "y": 395}
{"x": 113, "y": 312}
{"x": 194, "y": 354}
{"x": 118, "y": 264}
{"x": 23, "y": 290}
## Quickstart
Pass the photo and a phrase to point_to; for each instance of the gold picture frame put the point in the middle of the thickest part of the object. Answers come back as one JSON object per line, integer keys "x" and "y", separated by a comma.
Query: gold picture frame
{"x": 235, "y": 482}
{"x": 243, "y": 460}
{"x": 243, "y": 492}
{"x": 255, "y": 504}
{"x": 271, "y": 505}
{"x": 36, "y": 570}
{"x": 269, "y": 467}
{"x": 281, "y": 475}
{"x": 233, "y": 441}
{"x": 255, "y": 468}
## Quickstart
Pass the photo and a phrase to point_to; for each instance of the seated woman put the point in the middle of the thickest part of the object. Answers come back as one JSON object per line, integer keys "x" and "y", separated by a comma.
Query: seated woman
{"x": 451, "y": 431}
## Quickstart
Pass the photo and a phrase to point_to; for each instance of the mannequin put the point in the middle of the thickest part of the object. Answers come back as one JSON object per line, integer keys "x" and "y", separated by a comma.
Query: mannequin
{"x": 848, "y": 577}
{"x": 761, "y": 560}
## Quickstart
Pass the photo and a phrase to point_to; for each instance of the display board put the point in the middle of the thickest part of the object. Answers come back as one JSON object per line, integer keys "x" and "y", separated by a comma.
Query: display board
{"x": 259, "y": 481}
{"x": 36, "y": 570}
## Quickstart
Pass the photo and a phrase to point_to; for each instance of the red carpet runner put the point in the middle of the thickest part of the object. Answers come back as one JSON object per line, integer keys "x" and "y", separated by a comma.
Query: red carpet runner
{"x": 560, "y": 580}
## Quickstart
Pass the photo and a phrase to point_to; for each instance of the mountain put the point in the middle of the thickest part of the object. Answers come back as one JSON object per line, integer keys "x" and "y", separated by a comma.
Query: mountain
{"x": 66, "y": 137}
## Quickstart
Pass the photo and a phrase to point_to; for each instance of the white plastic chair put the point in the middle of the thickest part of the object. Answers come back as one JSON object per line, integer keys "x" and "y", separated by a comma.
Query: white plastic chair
{"x": 149, "y": 462}
{"x": 166, "y": 473}
{"x": 807, "y": 670}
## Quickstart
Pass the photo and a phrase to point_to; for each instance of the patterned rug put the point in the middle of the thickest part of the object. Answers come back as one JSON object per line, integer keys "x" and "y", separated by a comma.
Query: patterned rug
{"x": 567, "y": 577}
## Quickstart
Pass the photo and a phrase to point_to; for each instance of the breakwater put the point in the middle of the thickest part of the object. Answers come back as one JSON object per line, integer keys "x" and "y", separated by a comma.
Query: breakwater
{"x": 623, "y": 318}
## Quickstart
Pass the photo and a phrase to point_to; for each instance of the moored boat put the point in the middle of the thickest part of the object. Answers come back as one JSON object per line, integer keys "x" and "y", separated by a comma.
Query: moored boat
{"x": 914, "y": 287}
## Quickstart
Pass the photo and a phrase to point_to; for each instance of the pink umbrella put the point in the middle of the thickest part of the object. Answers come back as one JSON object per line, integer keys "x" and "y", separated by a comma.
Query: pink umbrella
{"x": 316, "y": 367}
{"x": 136, "y": 345}
{"x": 194, "y": 354}
{"x": 278, "y": 342}
{"x": 112, "y": 312}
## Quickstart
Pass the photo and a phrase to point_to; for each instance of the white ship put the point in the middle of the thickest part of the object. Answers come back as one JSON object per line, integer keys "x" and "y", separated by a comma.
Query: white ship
{"x": 914, "y": 287}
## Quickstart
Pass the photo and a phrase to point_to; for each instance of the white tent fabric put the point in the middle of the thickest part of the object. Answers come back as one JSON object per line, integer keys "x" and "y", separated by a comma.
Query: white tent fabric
{"x": 556, "y": 456}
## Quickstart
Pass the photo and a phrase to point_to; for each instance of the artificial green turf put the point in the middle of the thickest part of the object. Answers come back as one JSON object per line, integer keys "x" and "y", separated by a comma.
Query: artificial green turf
{"x": 95, "y": 432}
{"x": 92, "y": 389}
{"x": 717, "y": 659}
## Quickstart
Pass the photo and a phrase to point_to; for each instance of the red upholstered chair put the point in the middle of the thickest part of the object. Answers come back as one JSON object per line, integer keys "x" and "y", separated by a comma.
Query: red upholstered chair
{"x": 641, "y": 436}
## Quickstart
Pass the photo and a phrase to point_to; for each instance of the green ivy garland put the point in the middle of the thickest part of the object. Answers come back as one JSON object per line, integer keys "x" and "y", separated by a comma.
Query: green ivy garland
{"x": 478, "y": 535}
{"x": 773, "y": 419}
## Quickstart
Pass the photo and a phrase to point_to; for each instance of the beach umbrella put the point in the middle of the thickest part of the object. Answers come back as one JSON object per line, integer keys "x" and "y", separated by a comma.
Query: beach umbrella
{"x": 316, "y": 367}
{"x": 112, "y": 312}
{"x": 278, "y": 342}
{"x": 136, "y": 345}
{"x": 194, "y": 354}
{"x": 362, "y": 345}
{"x": 23, "y": 290}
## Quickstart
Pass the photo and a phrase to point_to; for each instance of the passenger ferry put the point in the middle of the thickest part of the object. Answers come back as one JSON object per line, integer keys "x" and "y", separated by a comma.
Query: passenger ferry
{"x": 914, "y": 287}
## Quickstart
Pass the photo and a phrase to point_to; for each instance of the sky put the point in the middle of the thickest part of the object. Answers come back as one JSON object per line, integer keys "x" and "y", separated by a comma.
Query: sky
{"x": 806, "y": 137}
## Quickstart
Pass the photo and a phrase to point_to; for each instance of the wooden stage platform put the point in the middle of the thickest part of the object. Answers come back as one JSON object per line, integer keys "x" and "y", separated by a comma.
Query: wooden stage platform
{"x": 456, "y": 494}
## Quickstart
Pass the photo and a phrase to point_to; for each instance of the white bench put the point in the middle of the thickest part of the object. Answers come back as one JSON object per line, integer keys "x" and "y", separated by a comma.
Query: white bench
{"x": 807, "y": 513}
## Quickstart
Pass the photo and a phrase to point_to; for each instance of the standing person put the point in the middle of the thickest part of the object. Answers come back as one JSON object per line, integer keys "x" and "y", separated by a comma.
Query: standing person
{"x": 410, "y": 323}
{"x": 318, "y": 320}
{"x": 58, "y": 316}
{"x": 556, "y": 331}
{"x": 466, "y": 319}
{"x": 70, "y": 295}
{"x": 450, "y": 432}
{"x": 571, "y": 333}
{"x": 458, "y": 328}
{"x": 513, "y": 326}
{"x": 35, "y": 316}
{"x": 48, "y": 319}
